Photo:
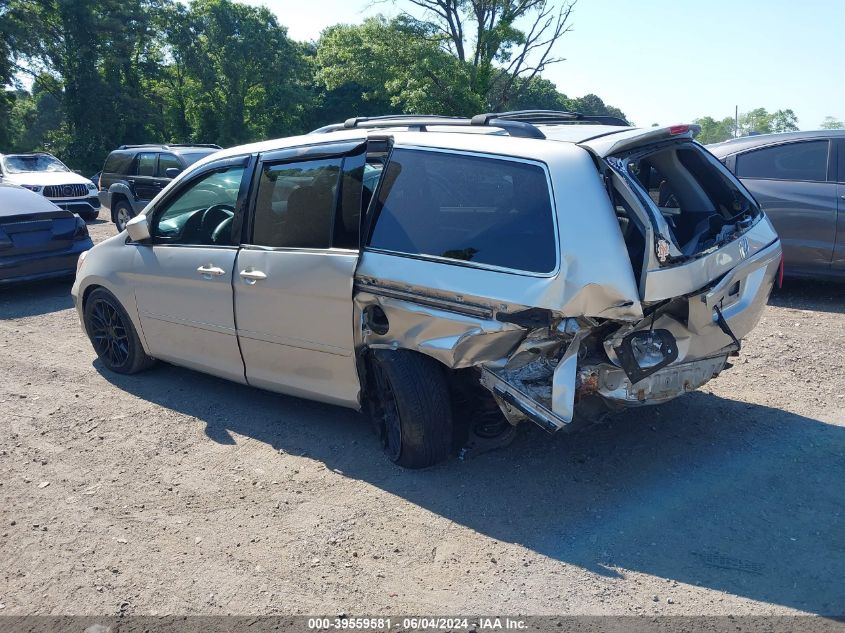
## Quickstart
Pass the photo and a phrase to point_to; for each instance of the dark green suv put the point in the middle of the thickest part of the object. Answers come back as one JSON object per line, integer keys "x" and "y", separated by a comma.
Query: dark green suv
{"x": 134, "y": 174}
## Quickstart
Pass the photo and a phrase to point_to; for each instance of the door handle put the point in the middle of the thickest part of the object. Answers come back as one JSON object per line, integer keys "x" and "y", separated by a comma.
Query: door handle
{"x": 210, "y": 270}
{"x": 251, "y": 276}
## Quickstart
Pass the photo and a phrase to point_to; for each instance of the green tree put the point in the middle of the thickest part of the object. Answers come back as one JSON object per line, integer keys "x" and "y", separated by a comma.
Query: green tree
{"x": 784, "y": 121}
{"x": 397, "y": 62}
{"x": 493, "y": 52}
{"x": 832, "y": 123}
{"x": 241, "y": 76}
{"x": 757, "y": 121}
{"x": 713, "y": 131}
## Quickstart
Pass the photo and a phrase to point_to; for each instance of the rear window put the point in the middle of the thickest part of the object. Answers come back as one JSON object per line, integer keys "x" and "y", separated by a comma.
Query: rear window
{"x": 467, "y": 208}
{"x": 118, "y": 163}
{"x": 792, "y": 161}
{"x": 702, "y": 205}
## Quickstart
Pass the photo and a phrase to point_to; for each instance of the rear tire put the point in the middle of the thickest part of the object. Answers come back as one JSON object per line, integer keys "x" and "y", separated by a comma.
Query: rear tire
{"x": 90, "y": 216}
{"x": 112, "y": 334}
{"x": 411, "y": 407}
{"x": 122, "y": 214}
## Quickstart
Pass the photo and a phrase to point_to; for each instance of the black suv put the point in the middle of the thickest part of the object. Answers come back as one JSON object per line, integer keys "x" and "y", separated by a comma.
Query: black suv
{"x": 134, "y": 174}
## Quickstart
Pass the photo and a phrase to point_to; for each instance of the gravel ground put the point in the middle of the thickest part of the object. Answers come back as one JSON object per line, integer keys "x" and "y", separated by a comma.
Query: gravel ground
{"x": 171, "y": 492}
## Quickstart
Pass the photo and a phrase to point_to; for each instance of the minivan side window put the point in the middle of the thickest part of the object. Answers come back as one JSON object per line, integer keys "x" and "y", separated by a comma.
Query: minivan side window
{"x": 201, "y": 213}
{"x": 490, "y": 211}
{"x": 806, "y": 160}
{"x": 295, "y": 204}
{"x": 146, "y": 165}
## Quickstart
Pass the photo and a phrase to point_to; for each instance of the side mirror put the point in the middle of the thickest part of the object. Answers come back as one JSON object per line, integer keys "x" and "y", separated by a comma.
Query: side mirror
{"x": 138, "y": 229}
{"x": 172, "y": 172}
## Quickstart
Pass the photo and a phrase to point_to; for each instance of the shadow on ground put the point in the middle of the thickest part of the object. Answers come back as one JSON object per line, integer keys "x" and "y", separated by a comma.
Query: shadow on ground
{"x": 808, "y": 294}
{"x": 32, "y": 298}
{"x": 705, "y": 490}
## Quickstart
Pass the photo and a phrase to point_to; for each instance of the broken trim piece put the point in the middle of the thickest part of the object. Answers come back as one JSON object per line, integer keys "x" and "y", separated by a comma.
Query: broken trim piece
{"x": 509, "y": 398}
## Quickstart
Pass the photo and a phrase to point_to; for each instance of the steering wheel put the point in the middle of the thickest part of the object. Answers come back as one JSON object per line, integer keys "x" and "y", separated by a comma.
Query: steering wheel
{"x": 212, "y": 218}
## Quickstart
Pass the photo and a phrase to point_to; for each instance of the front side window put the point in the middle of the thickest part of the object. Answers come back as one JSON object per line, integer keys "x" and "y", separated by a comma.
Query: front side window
{"x": 165, "y": 162}
{"x": 474, "y": 209}
{"x": 792, "y": 161}
{"x": 202, "y": 211}
{"x": 295, "y": 205}
{"x": 146, "y": 165}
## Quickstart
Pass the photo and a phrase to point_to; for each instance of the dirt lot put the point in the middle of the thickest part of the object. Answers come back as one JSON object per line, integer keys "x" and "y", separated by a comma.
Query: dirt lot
{"x": 173, "y": 492}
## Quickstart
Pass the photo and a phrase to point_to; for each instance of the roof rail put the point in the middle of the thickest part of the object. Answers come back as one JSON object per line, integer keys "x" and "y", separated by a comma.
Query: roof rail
{"x": 169, "y": 145}
{"x": 209, "y": 145}
{"x": 421, "y": 122}
{"x": 560, "y": 116}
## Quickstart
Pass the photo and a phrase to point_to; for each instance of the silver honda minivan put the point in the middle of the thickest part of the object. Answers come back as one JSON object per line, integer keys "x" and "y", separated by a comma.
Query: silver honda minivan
{"x": 529, "y": 266}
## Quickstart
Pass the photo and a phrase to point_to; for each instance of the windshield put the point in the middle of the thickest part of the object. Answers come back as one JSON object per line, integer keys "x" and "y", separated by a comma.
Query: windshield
{"x": 191, "y": 157}
{"x": 23, "y": 163}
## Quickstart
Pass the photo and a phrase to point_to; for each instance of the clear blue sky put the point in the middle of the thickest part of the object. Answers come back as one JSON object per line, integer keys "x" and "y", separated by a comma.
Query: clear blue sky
{"x": 669, "y": 61}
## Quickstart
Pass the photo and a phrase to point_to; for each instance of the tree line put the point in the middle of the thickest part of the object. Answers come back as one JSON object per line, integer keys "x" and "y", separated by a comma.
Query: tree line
{"x": 100, "y": 73}
{"x": 756, "y": 121}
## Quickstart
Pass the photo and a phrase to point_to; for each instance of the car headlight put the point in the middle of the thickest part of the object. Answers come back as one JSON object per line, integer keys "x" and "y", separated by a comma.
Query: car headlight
{"x": 81, "y": 259}
{"x": 35, "y": 188}
{"x": 92, "y": 186}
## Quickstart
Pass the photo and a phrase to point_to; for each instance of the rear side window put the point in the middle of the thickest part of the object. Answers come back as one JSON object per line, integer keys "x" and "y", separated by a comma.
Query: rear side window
{"x": 792, "y": 161}
{"x": 146, "y": 165}
{"x": 295, "y": 204}
{"x": 467, "y": 208}
{"x": 118, "y": 163}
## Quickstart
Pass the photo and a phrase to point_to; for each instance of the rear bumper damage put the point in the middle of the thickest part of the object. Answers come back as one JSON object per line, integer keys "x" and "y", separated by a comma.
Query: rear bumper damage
{"x": 547, "y": 368}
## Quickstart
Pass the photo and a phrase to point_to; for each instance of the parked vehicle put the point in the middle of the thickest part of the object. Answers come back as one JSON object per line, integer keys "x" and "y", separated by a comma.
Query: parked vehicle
{"x": 544, "y": 262}
{"x": 798, "y": 178}
{"x": 46, "y": 175}
{"x": 135, "y": 174}
{"x": 37, "y": 238}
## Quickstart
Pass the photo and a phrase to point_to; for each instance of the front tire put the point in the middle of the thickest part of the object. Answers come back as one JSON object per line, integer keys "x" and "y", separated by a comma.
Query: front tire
{"x": 122, "y": 214}
{"x": 411, "y": 407}
{"x": 112, "y": 334}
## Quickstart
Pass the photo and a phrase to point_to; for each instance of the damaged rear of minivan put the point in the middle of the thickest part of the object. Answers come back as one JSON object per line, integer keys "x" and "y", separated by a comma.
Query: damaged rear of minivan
{"x": 566, "y": 279}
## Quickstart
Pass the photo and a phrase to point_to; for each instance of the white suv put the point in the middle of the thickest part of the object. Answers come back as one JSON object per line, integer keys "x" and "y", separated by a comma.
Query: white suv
{"x": 525, "y": 266}
{"x": 45, "y": 174}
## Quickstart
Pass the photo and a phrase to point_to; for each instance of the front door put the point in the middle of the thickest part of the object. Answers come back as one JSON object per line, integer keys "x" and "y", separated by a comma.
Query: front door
{"x": 183, "y": 280}
{"x": 293, "y": 277}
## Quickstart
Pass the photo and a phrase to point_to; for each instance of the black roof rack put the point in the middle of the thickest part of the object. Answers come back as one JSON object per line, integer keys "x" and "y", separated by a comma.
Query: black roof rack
{"x": 420, "y": 122}
{"x": 520, "y": 123}
{"x": 560, "y": 116}
{"x": 169, "y": 145}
